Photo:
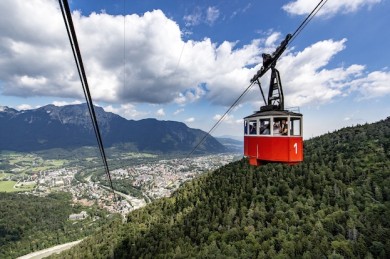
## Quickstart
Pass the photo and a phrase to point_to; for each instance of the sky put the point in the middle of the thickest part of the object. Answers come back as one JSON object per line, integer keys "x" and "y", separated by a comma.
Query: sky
{"x": 188, "y": 61}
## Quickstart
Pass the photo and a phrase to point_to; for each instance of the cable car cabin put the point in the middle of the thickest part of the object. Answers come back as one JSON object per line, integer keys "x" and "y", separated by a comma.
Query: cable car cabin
{"x": 273, "y": 136}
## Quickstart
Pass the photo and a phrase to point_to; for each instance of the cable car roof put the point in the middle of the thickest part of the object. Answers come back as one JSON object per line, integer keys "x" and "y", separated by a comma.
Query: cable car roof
{"x": 273, "y": 113}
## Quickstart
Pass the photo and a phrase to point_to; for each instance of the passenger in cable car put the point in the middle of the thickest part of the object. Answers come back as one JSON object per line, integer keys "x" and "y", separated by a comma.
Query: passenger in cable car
{"x": 264, "y": 127}
{"x": 252, "y": 128}
{"x": 276, "y": 128}
{"x": 284, "y": 128}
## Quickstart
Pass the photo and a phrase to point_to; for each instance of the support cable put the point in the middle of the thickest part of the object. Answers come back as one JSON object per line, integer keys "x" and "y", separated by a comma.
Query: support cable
{"x": 65, "y": 10}
{"x": 124, "y": 44}
{"x": 308, "y": 19}
{"x": 236, "y": 102}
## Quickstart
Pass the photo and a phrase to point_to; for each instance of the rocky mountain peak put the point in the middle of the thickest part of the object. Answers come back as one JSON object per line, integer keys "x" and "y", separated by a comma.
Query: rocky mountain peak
{"x": 70, "y": 126}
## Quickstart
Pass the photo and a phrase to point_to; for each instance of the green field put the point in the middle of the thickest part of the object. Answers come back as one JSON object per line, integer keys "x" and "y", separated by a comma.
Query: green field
{"x": 29, "y": 162}
{"x": 47, "y": 165}
{"x": 8, "y": 186}
{"x": 137, "y": 155}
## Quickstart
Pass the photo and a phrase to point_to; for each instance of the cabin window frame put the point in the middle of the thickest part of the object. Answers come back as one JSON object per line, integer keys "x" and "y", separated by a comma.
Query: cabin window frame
{"x": 269, "y": 119}
{"x": 256, "y": 121}
{"x": 292, "y": 126}
{"x": 246, "y": 127}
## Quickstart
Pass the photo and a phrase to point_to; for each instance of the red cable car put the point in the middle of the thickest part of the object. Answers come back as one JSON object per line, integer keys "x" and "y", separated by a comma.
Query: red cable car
{"x": 273, "y": 134}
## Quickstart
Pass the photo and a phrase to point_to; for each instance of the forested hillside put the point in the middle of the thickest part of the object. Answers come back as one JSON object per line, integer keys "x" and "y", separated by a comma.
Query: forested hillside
{"x": 29, "y": 223}
{"x": 335, "y": 204}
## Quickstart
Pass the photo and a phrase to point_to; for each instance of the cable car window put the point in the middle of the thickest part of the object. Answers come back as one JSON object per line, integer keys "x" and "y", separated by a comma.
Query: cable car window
{"x": 295, "y": 127}
{"x": 280, "y": 127}
{"x": 276, "y": 127}
{"x": 265, "y": 126}
{"x": 245, "y": 127}
{"x": 252, "y": 127}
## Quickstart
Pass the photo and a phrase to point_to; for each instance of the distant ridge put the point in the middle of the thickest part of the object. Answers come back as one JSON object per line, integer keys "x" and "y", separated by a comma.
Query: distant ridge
{"x": 70, "y": 127}
{"x": 232, "y": 144}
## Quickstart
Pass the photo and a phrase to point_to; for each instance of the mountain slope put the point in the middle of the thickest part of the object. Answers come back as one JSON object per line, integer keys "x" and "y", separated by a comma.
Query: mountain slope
{"x": 70, "y": 127}
{"x": 232, "y": 145}
{"x": 336, "y": 203}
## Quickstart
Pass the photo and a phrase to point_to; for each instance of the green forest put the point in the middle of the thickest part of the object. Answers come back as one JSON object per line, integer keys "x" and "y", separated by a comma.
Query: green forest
{"x": 29, "y": 223}
{"x": 335, "y": 204}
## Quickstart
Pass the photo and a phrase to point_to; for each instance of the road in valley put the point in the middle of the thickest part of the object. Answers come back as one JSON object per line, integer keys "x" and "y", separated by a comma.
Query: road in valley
{"x": 49, "y": 251}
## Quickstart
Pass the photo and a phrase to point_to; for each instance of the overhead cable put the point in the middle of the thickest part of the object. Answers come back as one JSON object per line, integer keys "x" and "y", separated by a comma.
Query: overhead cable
{"x": 236, "y": 102}
{"x": 308, "y": 19}
{"x": 65, "y": 10}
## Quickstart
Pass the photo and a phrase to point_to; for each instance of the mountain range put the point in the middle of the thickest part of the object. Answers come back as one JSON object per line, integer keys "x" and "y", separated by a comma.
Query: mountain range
{"x": 70, "y": 127}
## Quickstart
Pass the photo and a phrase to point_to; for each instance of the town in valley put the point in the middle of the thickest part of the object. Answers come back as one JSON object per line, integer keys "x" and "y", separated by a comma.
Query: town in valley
{"x": 135, "y": 184}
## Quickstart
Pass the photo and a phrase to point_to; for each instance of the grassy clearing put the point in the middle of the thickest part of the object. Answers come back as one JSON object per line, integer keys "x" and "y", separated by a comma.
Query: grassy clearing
{"x": 30, "y": 163}
{"x": 22, "y": 159}
{"x": 57, "y": 163}
{"x": 28, "y": 186}
{"x": 7, "y": 186}
{"x": 137, "y": 155}
{"x": 48, "y": 164}
{"x": 37, "y": 169}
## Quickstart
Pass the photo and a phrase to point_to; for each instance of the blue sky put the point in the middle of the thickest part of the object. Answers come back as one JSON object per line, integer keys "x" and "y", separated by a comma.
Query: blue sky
{"x": 189, "y": 60}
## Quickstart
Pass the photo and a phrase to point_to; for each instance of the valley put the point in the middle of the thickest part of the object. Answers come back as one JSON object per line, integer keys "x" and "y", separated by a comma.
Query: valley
{"x": 138, "y": 178}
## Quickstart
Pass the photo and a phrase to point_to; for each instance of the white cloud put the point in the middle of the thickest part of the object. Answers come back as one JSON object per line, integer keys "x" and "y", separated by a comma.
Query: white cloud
{"x": 193, "y": 19}
{"x": 160, "y": 112}
{"x": 303, "y": 7}
{"x": 305, "y": 79}
{"x": 190, "y": 95}
{"x": 229, "y": 119}
{"x": 375, "y": 84}
{"x": 241, "y": 10}
{"x": 198, "y": 16}
{"x": 271, "y": 40}
{"x": 24, "y": 107}
{"x": 128, "y": 111}
{"x": 32, "y": 81}
{"x": 178, "y": 111}
{"x": 153, "y": 47}
{"x": 212, "y": 14}
{"x": 189, "y": 120}
{"x": 63, "y": 103}
{"x": 308, "y": 80}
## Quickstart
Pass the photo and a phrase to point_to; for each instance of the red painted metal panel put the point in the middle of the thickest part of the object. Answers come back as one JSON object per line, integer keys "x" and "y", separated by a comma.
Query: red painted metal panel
{"x": 274, "y": 149}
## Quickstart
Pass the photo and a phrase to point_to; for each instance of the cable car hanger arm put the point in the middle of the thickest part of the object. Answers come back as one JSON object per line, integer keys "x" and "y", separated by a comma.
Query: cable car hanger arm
{"x": 275, "y": 94}
{"x": 269, "y": 61}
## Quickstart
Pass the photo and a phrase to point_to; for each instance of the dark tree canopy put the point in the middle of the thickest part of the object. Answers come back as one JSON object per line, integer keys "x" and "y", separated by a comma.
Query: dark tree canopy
{"x": 29, "y": 223}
